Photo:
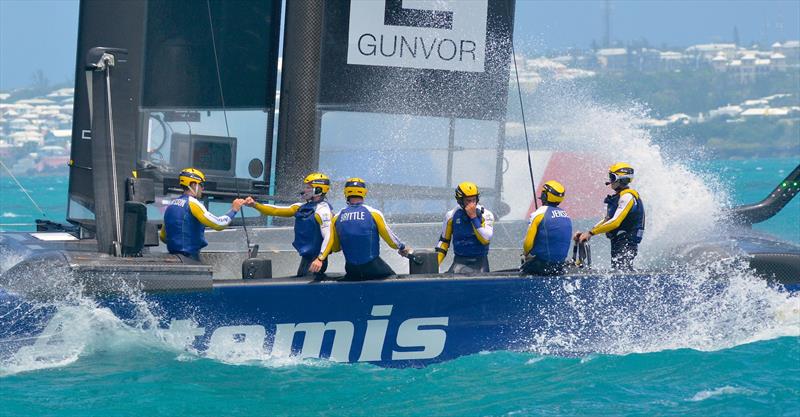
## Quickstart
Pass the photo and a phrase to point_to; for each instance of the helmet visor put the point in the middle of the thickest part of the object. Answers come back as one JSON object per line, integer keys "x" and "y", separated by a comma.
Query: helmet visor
{"x": 307, "y": 192}
{"x": 620, "y": 175}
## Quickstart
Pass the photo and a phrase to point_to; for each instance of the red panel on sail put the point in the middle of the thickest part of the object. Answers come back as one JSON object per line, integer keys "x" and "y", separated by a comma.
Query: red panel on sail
{"x": 583, "y": 176}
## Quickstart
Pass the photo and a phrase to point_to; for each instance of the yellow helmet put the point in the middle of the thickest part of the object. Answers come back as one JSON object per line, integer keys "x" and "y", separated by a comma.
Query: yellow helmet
{"x": 621, "y": 172}
{"x": 190, "y": 175}
{"x": 466, "y": 189}
{"x": 355, "y": 187}
{"x": 552, "y": 192}
{"x": 319, "y": 181}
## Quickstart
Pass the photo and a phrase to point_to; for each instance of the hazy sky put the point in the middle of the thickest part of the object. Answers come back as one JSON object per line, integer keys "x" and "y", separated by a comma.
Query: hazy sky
{"x": 42, "y": 34}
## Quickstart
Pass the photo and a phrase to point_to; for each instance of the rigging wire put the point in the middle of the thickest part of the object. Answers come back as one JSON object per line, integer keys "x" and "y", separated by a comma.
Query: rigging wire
{"x": 225, "y": 115}
{"x": 23, "y": 189}
{"x": 524, "y": 125}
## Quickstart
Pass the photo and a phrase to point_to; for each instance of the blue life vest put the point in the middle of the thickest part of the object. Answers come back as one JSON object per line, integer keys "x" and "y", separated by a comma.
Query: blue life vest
{"x": 307, "y": 236}
{"x": 633, "y": 225}
{"x": 465, "y": 243}
{"x": 358, "y": 234}
{"x": 185, "y": 234}
{"x": 554, "y": 235}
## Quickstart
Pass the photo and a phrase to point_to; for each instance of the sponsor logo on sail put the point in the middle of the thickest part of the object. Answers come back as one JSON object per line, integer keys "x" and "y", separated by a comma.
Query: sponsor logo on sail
{"x": 426, "y": 34}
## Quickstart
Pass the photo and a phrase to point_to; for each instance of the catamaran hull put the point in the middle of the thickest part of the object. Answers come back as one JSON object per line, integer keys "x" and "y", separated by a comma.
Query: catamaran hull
{"x": 394, "y": 323}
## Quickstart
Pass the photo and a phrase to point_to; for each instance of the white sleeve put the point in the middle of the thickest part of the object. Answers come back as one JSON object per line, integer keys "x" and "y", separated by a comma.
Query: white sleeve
{"x": 624, "y": 201}
{"x": 325, "y": 216}
{"x": 210, "y": 219}
{"x": 487, "y": 228}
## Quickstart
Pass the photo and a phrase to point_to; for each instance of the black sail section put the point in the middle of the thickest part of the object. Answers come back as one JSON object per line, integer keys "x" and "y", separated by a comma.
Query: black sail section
{"x": 114, "y": 24}
{"x": 181, "y": 69}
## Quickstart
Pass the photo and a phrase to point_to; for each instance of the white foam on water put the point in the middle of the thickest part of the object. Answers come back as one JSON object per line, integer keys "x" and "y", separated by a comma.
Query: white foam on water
{"x": 726, "y": 390}
{"x": 80, "y": 328}
{"x": 9, "y": 258}
{"x": 535, "y": 360}
{"x": 66, "y": 337}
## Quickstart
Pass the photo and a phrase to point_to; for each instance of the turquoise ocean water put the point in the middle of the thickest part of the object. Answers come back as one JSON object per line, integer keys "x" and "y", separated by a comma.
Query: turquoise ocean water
{"x": 123, "y": 371}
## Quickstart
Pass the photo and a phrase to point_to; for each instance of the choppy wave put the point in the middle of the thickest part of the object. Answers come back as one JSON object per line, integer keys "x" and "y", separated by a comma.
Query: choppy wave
{"x": 726, "y": 390}
{"x": 741, "y": 381}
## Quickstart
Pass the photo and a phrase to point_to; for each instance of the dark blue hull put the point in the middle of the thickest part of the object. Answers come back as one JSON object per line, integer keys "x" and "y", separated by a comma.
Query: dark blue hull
{"x": 397, "y": 322}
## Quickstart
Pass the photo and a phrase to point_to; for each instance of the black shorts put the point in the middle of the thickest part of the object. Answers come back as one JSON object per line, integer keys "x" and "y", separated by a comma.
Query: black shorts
{"x": 469, "y": 265}
{"x": 305, "y": 262}
{"x": 623, "y": 251}
{"x": 541, "y": 267}
{"x": 374, "y": 269}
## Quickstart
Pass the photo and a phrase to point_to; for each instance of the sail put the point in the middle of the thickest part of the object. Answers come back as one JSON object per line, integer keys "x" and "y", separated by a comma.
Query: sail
{"x": 412, "y": 96}
{"x": 427, "y": 84}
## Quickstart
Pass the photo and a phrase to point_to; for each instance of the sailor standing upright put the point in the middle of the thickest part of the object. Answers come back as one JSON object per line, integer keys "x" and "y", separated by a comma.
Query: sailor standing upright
{"x": 469, "y": 228}
{"x": 312, "y": 223}
{"x": 186, "y": 218}
{"x": 357, "y": 229}
{"x": 547, "y": 241}
{"x": 624, "y": 221}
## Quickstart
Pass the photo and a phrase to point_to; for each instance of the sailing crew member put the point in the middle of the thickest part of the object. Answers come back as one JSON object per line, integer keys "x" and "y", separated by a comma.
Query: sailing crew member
{"x": 186, "y": 218}
{"x": 469, "y": 227}
{"x": 624, "y": 221}
{"x": 357, "y": 230}
{"x": 547, "y": 241}
{"x": 312, "y": 223}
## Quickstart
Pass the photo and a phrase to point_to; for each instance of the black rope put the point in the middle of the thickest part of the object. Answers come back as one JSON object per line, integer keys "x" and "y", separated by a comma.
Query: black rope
{"x": 21, "y": 188}
{"x": 524, "y": 126}
{"x": 225, "y": 115}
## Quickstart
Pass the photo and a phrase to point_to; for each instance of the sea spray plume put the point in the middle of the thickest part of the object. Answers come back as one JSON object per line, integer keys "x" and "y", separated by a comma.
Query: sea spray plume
{"x": 37, "y": 302}
{"x": 49, "y": 318}
{"x": 681, "y": 205}
{"x": 9, "y": 258}
{"x": 704, "y": 306}
{"x": 711, "y": 303}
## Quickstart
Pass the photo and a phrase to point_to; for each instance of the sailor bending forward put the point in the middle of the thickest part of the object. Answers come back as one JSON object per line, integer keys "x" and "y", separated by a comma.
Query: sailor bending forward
{"x": 469, "y": 228}
{"x": 357, "y": 229}
{"x": 546, "y": 244}
{"x": 624, "y": 221}
{"x": 186, "y": 219}
{"x": 312, "y": 223}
